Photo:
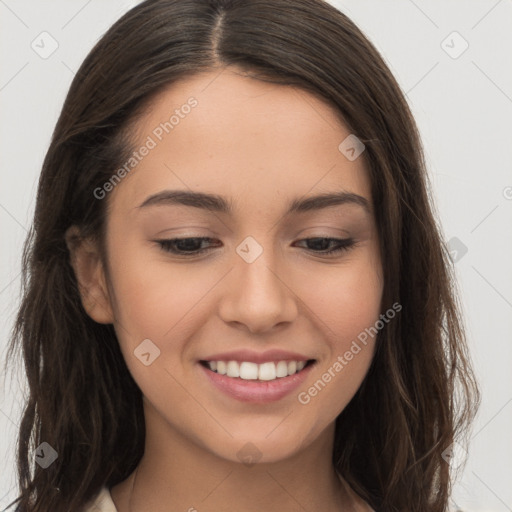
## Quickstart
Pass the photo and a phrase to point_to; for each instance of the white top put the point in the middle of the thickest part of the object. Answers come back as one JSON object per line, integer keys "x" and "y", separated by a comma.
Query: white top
{"x": 102, "y": 503}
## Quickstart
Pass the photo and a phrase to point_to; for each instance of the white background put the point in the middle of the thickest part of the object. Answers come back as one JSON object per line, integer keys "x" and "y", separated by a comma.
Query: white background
{"x": 463, "y": 107}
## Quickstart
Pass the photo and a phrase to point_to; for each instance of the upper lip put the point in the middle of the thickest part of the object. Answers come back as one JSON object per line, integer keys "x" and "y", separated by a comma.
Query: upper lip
{"x": 257, "y": 357}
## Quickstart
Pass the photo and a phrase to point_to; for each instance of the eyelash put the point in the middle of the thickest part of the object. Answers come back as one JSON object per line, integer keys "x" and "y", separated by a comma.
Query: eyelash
{"x": 343, "y": 244}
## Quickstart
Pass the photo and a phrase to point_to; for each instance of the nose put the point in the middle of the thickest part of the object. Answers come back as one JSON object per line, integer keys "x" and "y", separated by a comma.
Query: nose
{"x": 256, "y": 296}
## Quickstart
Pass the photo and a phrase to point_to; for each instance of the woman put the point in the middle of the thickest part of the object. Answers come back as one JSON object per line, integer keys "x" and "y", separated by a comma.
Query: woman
{"x": 236, "y": 291}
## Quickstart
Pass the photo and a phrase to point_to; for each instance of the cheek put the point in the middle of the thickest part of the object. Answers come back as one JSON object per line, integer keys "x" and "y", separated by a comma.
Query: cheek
{"x": 347, "y": 298}
{"x": 153, "y": 301}
{"x": 347, "y": 303}
{"x": 153, "y": 298}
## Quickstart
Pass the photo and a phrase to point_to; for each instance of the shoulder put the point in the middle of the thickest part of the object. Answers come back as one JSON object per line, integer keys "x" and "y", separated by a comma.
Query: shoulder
{"x": 102, "y": 503}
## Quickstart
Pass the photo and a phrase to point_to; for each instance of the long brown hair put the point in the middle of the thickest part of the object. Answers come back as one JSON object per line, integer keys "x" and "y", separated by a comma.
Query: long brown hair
{"x": 419, "y": 395}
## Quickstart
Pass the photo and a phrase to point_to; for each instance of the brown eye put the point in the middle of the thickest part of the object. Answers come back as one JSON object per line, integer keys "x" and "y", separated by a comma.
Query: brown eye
{"x": 321, "y": 244}
{"x": 185, "y": 246}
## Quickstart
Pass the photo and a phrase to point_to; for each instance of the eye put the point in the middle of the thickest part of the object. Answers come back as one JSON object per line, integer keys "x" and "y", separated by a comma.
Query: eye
{"x": 185, "y": 246}
{"x": 322, "y": 244}
{"x": 193, "y": 246}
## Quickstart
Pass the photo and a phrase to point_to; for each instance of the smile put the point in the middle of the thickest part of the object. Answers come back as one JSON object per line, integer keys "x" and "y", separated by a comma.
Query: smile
{"x": 258, "y": 383}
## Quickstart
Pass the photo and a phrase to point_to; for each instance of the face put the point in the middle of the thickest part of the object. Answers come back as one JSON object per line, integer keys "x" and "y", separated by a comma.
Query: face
{"x": 251, "y": 288}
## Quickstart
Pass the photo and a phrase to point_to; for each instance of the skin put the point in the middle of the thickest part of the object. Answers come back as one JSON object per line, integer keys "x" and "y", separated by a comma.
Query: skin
{"x": 259, "y": 145}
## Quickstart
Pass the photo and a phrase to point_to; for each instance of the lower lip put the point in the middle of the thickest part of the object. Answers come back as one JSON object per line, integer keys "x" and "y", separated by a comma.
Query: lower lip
{"x": 254, "y": 390}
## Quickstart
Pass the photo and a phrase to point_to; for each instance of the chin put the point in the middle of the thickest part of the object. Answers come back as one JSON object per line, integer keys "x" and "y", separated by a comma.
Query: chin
{"x": 261, "y": 446}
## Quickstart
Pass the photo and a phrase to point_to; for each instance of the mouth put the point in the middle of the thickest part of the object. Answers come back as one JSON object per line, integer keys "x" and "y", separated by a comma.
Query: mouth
{"x": 258, "y": 383}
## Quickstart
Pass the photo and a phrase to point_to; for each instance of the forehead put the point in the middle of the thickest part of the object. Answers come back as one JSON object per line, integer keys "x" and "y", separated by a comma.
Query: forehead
{"x": 225, "y": 133}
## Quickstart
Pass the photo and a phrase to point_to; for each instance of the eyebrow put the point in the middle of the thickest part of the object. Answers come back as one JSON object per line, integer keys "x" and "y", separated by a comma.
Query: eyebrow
{"x": 217, "y": 203}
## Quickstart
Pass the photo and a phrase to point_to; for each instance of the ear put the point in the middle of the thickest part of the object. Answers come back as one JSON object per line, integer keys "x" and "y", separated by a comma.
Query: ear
{"x": 85, "y": 258}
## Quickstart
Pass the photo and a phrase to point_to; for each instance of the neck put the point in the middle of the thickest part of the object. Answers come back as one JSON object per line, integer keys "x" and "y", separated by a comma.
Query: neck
{"x": 176, "y": 474}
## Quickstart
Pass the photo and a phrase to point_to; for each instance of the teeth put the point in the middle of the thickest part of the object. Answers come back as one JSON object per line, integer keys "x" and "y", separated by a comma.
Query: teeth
{"x": 221, "y": 367}
{"x": 253, "y": 371}
{"x": 248, "y": 371}
{"x": 282, "y": 369}
{"x": 267, "y": 371}
{"x": 233, "y": 370}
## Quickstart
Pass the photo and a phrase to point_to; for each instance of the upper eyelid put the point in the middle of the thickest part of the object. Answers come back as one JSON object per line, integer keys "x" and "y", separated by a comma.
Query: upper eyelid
{"x": 209, "y": 238}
